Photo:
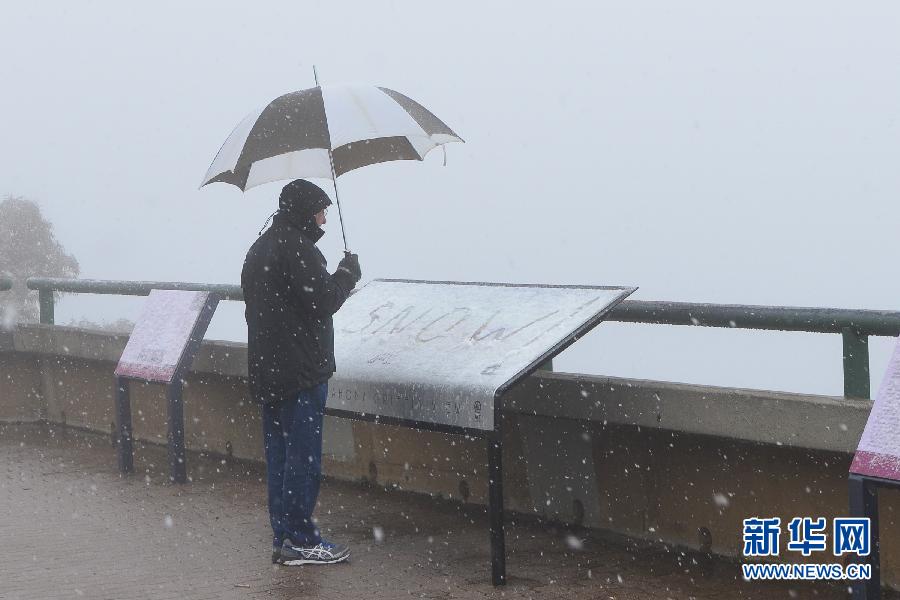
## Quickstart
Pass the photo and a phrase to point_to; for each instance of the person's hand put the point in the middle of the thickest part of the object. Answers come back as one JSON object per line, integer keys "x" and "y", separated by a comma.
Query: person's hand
{"x": 350, "y": 263}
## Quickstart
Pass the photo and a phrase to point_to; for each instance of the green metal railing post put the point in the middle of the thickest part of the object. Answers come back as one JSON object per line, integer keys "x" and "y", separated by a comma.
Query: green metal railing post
{"x": 856, "y": 364}
{"x": 45, "y": 302}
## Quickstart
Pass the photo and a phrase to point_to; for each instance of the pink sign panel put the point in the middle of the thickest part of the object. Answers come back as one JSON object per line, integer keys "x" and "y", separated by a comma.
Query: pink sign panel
{"x": 878, "y": 453}
{"x": 161, "y": 335}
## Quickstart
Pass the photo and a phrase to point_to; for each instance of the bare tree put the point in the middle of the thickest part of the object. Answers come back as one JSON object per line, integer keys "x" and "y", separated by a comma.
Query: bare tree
{"x": 28, "y": 248}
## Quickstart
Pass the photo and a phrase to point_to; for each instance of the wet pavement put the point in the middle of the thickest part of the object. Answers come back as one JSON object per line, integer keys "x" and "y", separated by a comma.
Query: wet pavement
{"x": 71, "y": 527}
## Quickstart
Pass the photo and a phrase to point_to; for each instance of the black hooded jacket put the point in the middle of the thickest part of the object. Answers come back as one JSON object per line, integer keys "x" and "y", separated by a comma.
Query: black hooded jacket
{"x": 290, "y": 298}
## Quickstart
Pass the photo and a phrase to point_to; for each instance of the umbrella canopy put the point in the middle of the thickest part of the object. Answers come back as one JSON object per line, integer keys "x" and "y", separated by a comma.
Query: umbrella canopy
{"x": 326, "y": 131}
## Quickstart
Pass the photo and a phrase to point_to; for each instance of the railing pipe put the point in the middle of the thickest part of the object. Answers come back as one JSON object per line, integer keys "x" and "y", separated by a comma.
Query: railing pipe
{"x": 5, "y": 283}
{"x": 778, "y": 318}
{"x": 130, "y": 288}
{"x": 855, "y": 326}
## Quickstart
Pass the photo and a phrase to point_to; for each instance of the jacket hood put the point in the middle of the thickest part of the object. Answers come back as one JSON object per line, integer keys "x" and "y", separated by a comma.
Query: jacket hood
{"x": 302, "y": 198}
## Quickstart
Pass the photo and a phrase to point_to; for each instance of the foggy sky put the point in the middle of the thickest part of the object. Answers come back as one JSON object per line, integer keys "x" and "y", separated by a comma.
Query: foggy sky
{"x": 703, "y": 151}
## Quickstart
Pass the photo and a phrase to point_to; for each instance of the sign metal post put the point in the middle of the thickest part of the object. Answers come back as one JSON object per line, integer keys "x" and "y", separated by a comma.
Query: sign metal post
{"x": 876, "y": 465}
{"x": 161, "y": 348}
{"x": 439, "y": 356}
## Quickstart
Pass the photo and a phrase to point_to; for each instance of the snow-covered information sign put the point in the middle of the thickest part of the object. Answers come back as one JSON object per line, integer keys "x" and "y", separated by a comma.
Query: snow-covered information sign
{"x": 878, "y": 453}
{"x": 441, "y": 352}
{"x": 163, "y": 331}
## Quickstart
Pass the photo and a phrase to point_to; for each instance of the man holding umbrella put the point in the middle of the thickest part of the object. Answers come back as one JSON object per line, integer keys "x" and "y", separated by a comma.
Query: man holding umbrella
{"x": 290, "y": 299}
{"x": 323, "y": 131}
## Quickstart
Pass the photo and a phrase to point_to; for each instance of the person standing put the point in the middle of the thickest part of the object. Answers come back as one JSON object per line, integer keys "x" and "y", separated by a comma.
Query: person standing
{"x": 290, "y": 298}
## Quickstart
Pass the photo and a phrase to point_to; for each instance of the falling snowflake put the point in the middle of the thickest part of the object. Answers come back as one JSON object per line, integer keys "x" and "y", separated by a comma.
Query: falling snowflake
{"x": 574, "y": 543}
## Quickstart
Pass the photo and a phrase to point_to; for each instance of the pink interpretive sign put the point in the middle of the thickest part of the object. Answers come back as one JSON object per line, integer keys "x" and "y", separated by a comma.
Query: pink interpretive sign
{"x": 878, "y": 453}
{"x": 169, "y": 322}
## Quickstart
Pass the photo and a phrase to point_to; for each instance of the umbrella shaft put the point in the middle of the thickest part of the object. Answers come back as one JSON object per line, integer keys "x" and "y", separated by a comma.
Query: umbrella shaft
{"x": 337, "y": 200}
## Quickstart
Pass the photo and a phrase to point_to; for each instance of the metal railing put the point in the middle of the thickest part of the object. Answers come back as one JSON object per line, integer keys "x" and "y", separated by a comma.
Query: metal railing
{"x": 855, "y": 326}
{"x": 46, "y": 286}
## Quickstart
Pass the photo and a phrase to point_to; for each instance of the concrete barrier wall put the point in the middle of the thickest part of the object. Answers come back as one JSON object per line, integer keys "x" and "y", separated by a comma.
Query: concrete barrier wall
{"x": 675, "y": 463}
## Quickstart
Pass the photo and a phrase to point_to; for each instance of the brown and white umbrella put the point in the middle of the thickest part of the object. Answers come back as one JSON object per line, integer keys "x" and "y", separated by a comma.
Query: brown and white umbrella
{"x": 326, "y": 131}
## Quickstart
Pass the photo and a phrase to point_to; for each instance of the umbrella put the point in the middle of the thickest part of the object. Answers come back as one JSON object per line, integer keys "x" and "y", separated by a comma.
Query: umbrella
{"x": 326, "y": 131}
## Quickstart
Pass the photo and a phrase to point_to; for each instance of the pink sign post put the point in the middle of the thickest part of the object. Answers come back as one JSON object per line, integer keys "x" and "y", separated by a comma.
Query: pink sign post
{"x": 877, "y": 464}
{"x": 160, "y": 349}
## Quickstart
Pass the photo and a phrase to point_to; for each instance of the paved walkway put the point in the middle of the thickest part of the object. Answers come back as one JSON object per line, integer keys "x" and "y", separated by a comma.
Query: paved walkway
{"x": 70, "y": 527}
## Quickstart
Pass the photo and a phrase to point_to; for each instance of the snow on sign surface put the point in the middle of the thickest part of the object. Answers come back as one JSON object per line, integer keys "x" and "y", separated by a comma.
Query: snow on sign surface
{"x": 438, "y": 352}
{"x": 161, "y": 335}
{"x": 878, "y": 453}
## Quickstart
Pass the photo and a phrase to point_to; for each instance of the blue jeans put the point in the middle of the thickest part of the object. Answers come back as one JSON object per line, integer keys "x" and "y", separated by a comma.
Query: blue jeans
{"x": 293, "y": 438}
